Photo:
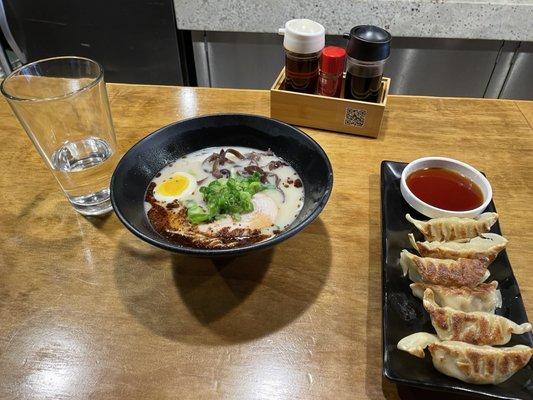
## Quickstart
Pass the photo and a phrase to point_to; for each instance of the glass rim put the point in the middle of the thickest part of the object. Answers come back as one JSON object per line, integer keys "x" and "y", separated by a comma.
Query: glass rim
{"x": 88, "y": 86}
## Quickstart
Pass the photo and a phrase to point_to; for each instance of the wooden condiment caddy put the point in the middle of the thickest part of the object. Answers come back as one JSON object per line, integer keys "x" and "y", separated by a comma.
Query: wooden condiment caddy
{"x": 328, "y": 113}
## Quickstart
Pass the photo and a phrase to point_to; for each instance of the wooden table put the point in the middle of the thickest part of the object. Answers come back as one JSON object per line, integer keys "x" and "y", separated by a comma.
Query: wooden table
{"x": 87, "y": 310}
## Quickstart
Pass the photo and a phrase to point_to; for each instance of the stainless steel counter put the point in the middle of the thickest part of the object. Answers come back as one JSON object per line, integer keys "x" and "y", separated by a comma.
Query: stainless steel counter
{"x": 417, "y": 66}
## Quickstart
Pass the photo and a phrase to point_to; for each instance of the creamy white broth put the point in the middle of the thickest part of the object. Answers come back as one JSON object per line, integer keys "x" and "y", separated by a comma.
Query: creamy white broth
{"x": 288, "y": 196}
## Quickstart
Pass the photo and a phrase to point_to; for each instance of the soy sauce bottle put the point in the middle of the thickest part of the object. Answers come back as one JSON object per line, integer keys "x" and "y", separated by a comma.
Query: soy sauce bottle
{"x": 303, "y": 43}
{"x": 368, "y": 49}
{"x": 301, "y": 71}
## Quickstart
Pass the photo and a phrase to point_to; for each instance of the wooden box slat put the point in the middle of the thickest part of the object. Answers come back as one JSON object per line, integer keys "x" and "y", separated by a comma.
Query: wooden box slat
{"x": 329, "y": 113}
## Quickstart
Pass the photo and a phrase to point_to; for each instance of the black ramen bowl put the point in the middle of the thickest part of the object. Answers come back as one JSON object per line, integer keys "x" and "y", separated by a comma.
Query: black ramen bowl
{"x": 146, "y": 158}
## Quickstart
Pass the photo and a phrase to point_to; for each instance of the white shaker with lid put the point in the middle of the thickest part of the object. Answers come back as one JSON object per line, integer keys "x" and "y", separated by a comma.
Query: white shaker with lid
{"x": 303, "y": 43}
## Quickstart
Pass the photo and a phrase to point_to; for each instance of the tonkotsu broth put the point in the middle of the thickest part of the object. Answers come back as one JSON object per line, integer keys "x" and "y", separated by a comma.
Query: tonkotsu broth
{"x": 168, "y": 217}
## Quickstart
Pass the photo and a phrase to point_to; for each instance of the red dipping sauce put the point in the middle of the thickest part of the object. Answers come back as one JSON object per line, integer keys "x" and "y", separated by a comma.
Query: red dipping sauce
{"x": 445, "y": 189}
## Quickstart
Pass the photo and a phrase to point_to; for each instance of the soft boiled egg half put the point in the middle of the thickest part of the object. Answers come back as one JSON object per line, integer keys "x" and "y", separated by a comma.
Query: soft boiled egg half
{"x": 175, "y": 187}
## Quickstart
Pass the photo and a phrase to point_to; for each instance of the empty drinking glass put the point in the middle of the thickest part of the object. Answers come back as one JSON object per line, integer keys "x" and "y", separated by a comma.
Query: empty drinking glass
{"x": 62, "y": 104}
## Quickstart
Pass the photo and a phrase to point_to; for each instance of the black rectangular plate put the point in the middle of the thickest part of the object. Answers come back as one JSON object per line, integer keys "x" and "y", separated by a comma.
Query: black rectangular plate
{"x": 403, "y": 314}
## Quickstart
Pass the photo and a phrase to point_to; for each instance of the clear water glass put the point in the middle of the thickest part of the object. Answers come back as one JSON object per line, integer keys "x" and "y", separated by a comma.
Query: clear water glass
{"x": 62, "y": 104}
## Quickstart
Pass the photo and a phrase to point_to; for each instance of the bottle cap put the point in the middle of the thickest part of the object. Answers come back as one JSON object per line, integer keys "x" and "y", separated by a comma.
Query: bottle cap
{"x": 332, "y": 60}
{"x": 303, "y": 36}
{"x": 369, "y": 43}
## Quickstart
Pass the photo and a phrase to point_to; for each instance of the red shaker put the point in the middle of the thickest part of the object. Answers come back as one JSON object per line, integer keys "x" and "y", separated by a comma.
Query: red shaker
{"x": 331, "y": 69}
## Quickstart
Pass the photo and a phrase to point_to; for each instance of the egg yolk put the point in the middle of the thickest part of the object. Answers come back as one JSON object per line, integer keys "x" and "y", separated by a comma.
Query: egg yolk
{"x": 174, "y": 186}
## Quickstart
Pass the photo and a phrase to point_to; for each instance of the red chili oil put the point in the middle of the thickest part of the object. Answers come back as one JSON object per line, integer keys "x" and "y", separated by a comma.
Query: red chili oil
{"x": 445, "y": 189}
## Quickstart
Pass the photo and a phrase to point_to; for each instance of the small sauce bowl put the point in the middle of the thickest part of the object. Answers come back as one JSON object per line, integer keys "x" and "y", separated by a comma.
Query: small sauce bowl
{"x": 449, "y": 163}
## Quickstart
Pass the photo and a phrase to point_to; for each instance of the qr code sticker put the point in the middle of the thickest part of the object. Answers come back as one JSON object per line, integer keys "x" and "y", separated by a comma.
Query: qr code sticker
{"x": 355, "y": 117}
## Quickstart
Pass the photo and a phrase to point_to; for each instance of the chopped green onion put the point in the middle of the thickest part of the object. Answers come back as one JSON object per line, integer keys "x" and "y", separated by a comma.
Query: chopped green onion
{"x": 231, "y": 196}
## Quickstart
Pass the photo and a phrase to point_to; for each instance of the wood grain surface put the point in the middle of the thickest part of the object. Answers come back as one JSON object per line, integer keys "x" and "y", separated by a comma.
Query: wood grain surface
{"x": 87, "y": 310}
{"x": 323, "y": 112}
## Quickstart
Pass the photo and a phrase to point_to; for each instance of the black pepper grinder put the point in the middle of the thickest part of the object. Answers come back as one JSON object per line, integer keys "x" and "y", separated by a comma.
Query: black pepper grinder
{"x": 368, "y": 49}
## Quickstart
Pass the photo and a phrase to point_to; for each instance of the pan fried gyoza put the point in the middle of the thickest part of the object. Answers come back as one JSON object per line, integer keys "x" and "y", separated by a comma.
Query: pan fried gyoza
{"x": 485, "y": 247}
{"x": 481, "y": 365}
{"x": 453, "y": 228}
{"x": 474, "y": 327}
{"x": 462, "y": 272}
{"x": 484, "y": 297}
{"x": 416, "y": 343}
